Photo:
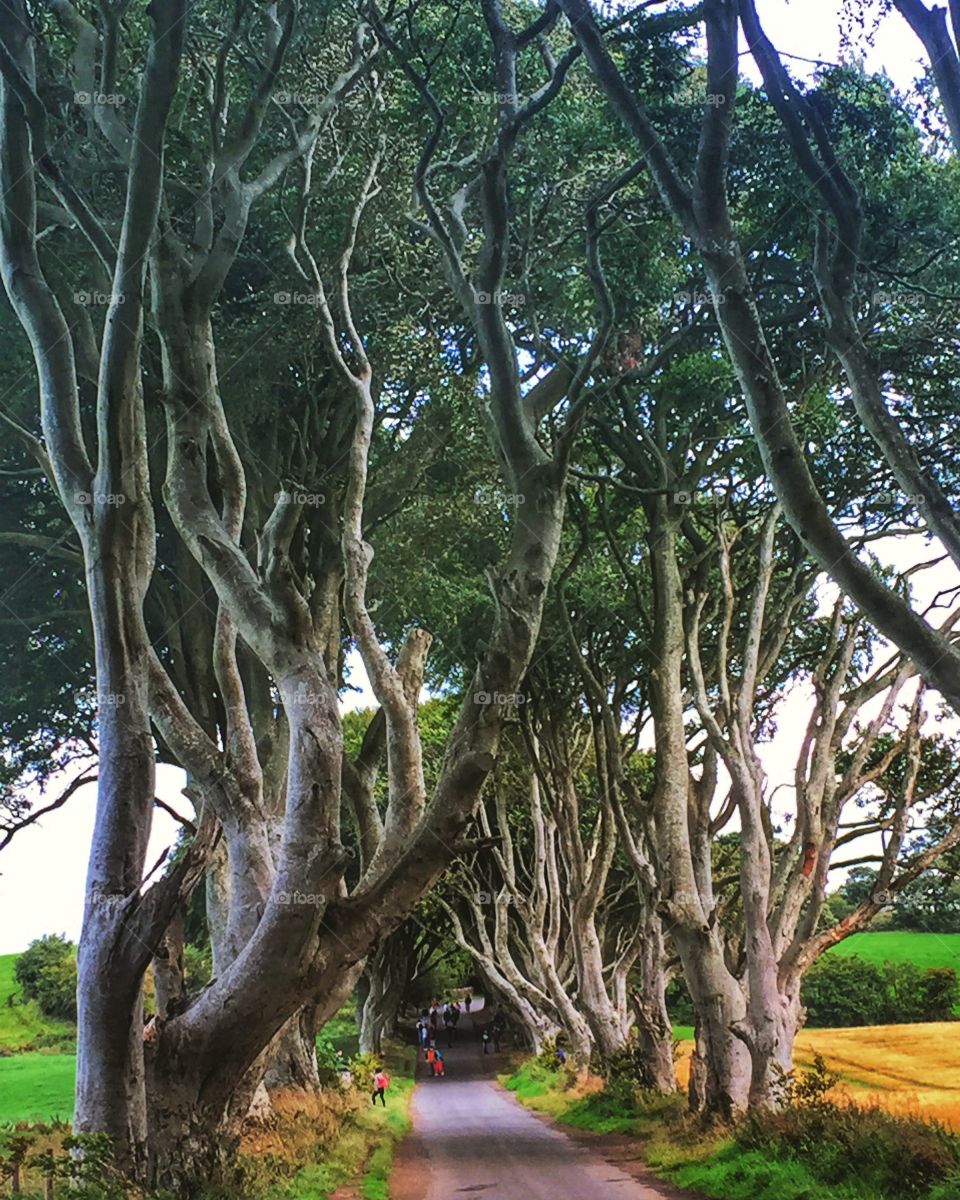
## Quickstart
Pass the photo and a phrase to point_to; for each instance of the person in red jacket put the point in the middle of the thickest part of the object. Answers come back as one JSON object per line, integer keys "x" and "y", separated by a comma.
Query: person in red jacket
{"x": 381, "y": 1081}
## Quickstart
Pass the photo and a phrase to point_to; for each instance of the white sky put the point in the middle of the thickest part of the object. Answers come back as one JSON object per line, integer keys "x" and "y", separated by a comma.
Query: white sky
{"x": 42, "y": 872}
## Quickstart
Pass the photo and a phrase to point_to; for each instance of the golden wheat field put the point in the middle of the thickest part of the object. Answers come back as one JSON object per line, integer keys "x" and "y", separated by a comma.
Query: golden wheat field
{"x": 907, "y": 1069}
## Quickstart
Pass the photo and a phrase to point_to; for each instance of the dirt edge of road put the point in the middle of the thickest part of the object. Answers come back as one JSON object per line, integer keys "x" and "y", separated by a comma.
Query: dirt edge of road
{"x": 410, "y": 1173}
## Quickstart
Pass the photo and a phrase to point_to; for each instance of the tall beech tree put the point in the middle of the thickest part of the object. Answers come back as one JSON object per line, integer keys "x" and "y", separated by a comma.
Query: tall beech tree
{"x": 425, "y": 387}
{"x": 547, "y": 907}
{"x": 700, "y": 206}
{"x": 743, "y": 616}
{"x": 170, "y": 1101}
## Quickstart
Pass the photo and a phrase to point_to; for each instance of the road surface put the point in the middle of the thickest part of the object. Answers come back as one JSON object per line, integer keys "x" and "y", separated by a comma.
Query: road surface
{"x": 472, "y": 1139}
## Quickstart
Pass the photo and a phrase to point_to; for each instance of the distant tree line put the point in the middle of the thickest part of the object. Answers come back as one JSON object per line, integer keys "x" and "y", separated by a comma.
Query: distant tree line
{"x": 930, "y": 904}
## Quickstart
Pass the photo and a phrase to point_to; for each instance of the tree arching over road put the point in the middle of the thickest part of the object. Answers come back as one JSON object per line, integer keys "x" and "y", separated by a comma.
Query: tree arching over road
{"x": 490, "y": 360}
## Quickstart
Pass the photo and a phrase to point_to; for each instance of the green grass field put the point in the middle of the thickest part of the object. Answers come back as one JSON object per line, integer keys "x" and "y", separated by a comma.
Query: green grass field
{"x": 22, "y": 1022}
{"x": 36, "y": 1087}
{"x": 924, "y": 949}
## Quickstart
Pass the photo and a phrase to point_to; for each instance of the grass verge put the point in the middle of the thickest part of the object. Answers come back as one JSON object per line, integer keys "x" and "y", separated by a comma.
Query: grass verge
{"x": 359, "y": 1156}
{"x": 816, "y": 1149}
{"x": 310, "y": 1146}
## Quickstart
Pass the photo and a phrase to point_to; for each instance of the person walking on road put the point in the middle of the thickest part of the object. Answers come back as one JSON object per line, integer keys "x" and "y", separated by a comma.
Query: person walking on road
{"x": 467, "y": 1001}
{"x": 431, "y": 1057}
{"x": 438, "y": 1065}
{"x": 381, "y": 1081}
{"x": 485, "y": 1038}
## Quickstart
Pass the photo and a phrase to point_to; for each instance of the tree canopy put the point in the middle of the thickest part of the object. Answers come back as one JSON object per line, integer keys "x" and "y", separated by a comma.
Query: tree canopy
{"x": 566, "y": 382}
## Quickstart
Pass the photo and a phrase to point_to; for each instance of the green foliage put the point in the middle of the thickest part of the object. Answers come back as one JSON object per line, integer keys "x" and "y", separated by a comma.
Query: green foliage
{"x": 679, "y": 1001}
{"x": 733, "y": 1173}
{"x": 938, "y": 992}
{"x": 330, "y": 1058}
{"x": 900, "y": 1158}
{"x": 89, "y": 1169}
{"x": 930, "y": 904}
{"x": 621, "y": 1085}
{"x": 197, "y": 966}
{"x": 844, "y": 991}
{"x": 847, "y": 990}
{"x": 835, "y": 907}
{"x": 363, "y": 1067}
{"x": 23, "y": 1025}
{"x": 536, "y": 1077}
{"x": 80, "y": 1165}
{"x": 547, "y": 1063}
{"x": 47, "y": 972}
{"x": 813, "y": 1086}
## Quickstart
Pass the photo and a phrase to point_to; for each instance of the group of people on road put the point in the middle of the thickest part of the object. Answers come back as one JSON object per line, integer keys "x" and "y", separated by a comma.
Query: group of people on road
{"x": 428, "y": 1029}
{"x": 429, "y": 1024}
{"x": 448, "y": 1016}
{"x": 431, "y": 1018}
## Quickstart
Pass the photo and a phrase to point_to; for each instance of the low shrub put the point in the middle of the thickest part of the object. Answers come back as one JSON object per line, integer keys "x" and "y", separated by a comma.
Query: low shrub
{"x": 550, "y": 1060}
{"x": 47, "y": 973}
{"x": 845, "y": 990}
{"x": 50, "y": 1160}
{"x": 903, "y": 1158}
{"x": 331, "y": 1062}
{"x": 197, "y": 967}
{"x": 621, "y": 1082}
{"x": 363, "y": 1067}
{"x": 679, "y": 1003}
{"x": 300, "y": 1127}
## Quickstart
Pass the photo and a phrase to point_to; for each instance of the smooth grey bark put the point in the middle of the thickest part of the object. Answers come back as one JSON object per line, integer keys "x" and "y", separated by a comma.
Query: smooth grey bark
{"x": 385, "y": 975}
{"x": 292, "y": 1061}
{"x": 109, "y": 505}
{"x": 627, "y": 824}
{"x": 723, "y": 1084}
{"x": 513, "y": 931}
{"x": 654, "y": 1028}
{"x": 701, "y": 211}
{"x": 228, "y": 1023}
{"x": 310, "y": 940}
{"x": 584, "y": 868}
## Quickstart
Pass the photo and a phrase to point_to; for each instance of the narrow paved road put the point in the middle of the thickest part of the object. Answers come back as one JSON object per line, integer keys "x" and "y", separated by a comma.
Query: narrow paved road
{"x": 471, "y": 1138}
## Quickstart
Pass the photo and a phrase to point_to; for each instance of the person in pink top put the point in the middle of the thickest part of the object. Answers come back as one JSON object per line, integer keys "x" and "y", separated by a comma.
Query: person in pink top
{"x": 381, "y": 1081}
